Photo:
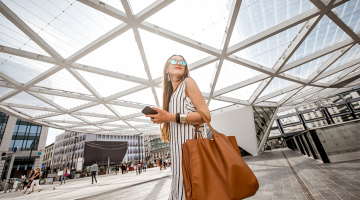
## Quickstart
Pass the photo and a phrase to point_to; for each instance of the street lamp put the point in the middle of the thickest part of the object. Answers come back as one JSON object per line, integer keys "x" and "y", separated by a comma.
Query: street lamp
{"x": 72, "y": 159}
{"x": 31, "y": 148}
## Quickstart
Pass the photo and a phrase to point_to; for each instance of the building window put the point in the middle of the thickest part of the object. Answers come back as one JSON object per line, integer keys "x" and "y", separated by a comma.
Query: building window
{"x": 25, "y": 134}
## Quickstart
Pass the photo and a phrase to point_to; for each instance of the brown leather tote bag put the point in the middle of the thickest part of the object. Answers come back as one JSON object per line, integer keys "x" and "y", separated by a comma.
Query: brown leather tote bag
{"x": 214, "y": 169}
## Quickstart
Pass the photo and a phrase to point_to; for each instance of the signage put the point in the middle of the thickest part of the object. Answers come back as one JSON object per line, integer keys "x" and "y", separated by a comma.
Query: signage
{"x": 32, "y": 167}
{"x": 15, "y": 149}
{"x": 45, "y": 166}
{"x": 25, "y": 167}
{"x": 18, "y": 167}
{"x": 39, "y": 153}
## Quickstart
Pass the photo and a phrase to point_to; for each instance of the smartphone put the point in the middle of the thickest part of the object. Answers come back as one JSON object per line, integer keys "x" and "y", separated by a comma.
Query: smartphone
{"x": 149, "y": 111}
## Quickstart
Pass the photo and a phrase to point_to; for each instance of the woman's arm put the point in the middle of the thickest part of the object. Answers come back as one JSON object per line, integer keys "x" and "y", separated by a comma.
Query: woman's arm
{"x": 192, "y": 118}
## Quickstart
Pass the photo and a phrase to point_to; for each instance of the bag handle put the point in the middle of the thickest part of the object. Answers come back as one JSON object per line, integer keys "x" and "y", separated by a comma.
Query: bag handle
{"x": 205, "y": 118}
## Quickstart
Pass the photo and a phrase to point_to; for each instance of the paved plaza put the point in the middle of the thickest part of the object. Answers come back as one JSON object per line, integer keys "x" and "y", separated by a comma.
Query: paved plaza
{"x": 277, "y": 181}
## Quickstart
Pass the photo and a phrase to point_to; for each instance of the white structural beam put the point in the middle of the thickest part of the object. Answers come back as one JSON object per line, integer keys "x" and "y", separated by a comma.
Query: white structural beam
{"x": 280, "y": 28}
{"x": 10, "y": 15}
{"x": 318, "y": 54}
{"x": 234, "y": 10}
{"x": 288, "y": 96}
{"x": 240, "y": 85}
{"x": 336, "y": 20}
{"x": 328, "y": 63}
{"x": 337, "y": 69}
{"x": 278, "y": 93}
{"x": 305, "y": 31}
{"x": 26, "y": 54}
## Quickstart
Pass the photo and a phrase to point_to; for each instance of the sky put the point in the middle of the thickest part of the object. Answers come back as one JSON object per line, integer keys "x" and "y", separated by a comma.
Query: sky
{"x": 53, "y": 132}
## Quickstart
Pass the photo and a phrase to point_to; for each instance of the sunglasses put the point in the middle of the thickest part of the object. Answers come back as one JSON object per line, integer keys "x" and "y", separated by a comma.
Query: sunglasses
{"x": 174, "y": 62}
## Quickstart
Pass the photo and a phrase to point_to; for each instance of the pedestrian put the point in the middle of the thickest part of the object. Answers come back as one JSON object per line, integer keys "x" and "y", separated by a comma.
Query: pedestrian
{"x": 160, "y": 163}
{"x": 132, "y": 168}
{"x": 35, "y": 180}
{"x": 144, "y": 167}
{"x": 29, "y": 180}
{"x": 63, "y": 176}
{"x": 127, "y": 168}
{"x": 117, "y": 168}
{"x": 122, "y": 168}
{"x": 24, "y": 175}
{"x": 94, "y": 169}
{"x": 180, "y": 114}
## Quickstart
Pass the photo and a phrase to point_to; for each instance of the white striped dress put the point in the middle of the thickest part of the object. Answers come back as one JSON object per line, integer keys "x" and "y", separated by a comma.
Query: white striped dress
{"x": 179, "y": 133}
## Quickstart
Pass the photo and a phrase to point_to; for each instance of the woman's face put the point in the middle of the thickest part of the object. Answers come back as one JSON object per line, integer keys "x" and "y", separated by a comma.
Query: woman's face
{"x": 177, "y": 69}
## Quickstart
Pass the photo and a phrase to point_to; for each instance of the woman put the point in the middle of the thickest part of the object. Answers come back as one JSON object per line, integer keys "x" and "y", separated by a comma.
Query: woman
{"x": 181, "y": 101}
{"x": 29, "y": 182}
{"x": 63, "y": 177}
{"x": 35, "y": 180}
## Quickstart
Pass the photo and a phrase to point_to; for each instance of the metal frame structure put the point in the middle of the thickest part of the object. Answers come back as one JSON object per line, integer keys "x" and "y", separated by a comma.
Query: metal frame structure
{"x": 216, "y": 56}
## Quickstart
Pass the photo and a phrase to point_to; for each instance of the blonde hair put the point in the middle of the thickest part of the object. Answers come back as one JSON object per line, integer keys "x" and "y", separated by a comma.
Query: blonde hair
{"x": 167, "y": 92}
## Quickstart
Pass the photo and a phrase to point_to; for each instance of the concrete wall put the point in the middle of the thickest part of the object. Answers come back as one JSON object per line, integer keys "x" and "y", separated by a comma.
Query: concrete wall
{"x": 341, "y": 142}
{"x": 239, "y": 122}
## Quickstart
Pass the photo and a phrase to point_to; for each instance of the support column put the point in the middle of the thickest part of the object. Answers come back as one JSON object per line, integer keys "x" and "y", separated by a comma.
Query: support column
{"x": 5, "y": 142}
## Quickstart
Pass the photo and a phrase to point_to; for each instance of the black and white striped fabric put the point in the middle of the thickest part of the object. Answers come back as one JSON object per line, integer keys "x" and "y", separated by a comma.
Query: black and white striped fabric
{"x": 179, "y": 133}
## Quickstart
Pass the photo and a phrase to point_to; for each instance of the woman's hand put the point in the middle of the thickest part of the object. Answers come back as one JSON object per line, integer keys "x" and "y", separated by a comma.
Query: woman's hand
{"x": 162, "y": 116}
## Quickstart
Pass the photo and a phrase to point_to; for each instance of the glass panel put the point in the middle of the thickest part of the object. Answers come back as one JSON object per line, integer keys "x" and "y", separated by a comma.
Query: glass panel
{"x": 350, "y": 14}
{"x": 277, "y": 98}
{"x": 305, "y": 70}
{"x": 257, "y": 16}
{"x": 324, "y": 34}
{"x": 267, "y": 52}
{"x": 286, "y": 112}
{"x": 4, "y": 91}
{"x": 316, "y": 124}
{"x": 21, "y": 69}
{"x": 200, "y": 21}
{"x": 116, "y": 4}
{"x": 157, "y": 55}
{"x": 308, "y": 106}
{"x": 65, "y": 102}
{"x": 349, "y": 56}
{"x": 268, "y": 112}
{"x": 338, "y": 109}
{"x": 66, "y": 26}
{"x": 30, "y": 112}
{"x": 126, "y": 110}
{"x": 264, "y": 117}
{"x": 292, "y": 129}
{"x": 105, "y": 85}
{"x": 343, "y": 118}
{"x": 351, "y": 95}
{"x": 63, "y": 80}
{"x": 120, "y": 55}
{"x": 26, "y": 99}
{"x": 99, "y": 109}
{"x": 203, "y": 77}
{"x": 275, "y": 85}
{"x": 290, "y": 120}
{"x": 139, "y": 5}
{"x": 243, "y": 93}
{"x": 214, "y": 104}
{"x": 12, "y": 36}
{"x": 143, "y": 96}
{"x": 312, "y": 115}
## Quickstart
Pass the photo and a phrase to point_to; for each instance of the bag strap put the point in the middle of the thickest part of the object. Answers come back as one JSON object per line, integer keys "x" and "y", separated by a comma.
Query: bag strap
{"x": 204, "y": 117}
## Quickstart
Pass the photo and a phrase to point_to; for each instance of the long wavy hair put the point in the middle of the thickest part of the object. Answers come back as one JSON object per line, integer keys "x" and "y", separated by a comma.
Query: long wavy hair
{"x": 167, "y": 92}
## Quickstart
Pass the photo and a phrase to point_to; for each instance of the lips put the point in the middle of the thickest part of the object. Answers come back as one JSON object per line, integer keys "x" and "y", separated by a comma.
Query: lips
{"x": 177, "y": 67}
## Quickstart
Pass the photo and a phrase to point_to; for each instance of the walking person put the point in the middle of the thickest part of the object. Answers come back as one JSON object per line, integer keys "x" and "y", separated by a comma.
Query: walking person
{"x": 117, "y": 168}
{"x": 29, "y": 181}
{"x": 182, "y": 99}
{"x": 132, "y": 168}
{"x": 35, "y": 180}
{"x": 160, "y": 163}
{"x": 94, "y": 169}
{"x": 63, "y": 176}
{"x": 122, "y": 168}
